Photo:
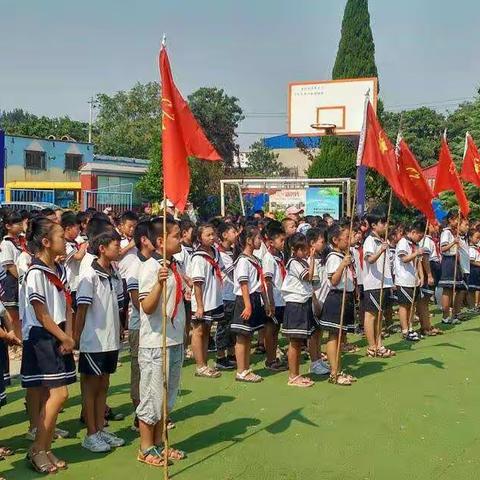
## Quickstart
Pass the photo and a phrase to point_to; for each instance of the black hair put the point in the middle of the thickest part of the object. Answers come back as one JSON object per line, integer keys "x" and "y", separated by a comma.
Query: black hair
{"x": 259, "y": 212}
{"x": 38, "y": 229}
{"x": 418, "y": 225}
{"x": 451, "y": 214}
{"x": 274, "y": 230}
{"x": 103, "y": 239}
{"x": 335, "y": 231}
{"x": 96, "y": 226}
{"x": 156, "y": 229}
{"x": 201, "y": 228}
{"x": 223, "y": 228}
{"x": 47, "y": 212}
{"x": 100, "y": 215}
{"x": 313, "y": 234}
{"x": 128, "y": 215}
{"x": 143, "y": 229}
{"x": 250, "y": 231}
{"x": 82, "y": 217}
{"x": 91, "y": 210}
{"x": 10, "y": 217}
{"x": 25, "y": 214}
{"x": 297, "y": 241}
{"x": 185, "y": 226}
{"x": 69, "y": 219}
{"x": 374, "y": 218}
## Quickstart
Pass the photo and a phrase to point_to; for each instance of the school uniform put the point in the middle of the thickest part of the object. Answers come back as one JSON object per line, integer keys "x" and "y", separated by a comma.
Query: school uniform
{"x": 464, "y": 260}
{"x": 3, "y": 395}
{"x": 432, "y": 249}
{"x": 406, "y": 278}
{"x": 86, "y": 262}
{"x": 330, "y": 317}
{"x": 448, "y": 263}
{"x": 9, "y": 253}
{"x": 373, "y": 273}
{"x": 23, "y": 263}
{"x": 474, "y": 279}
{"x": 102, "y": 291}
{"x": 248, "y": 269}
{"x": 224, "y": 338}
{"x": 150, "y": 352}
{"x": 359, "y": 261}
{"x": 297, "y": 291}
{"x": 72, "y": 267}
{"x": 207, "y": 270}
{"x": 183, "y": 261}
{"x": 42, "y": 363}
{"x": 274, "y": 268}
{"x": 320, "y": 285}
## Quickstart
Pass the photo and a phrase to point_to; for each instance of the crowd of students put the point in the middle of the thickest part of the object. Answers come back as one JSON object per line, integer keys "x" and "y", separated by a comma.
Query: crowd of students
{"x": 72, "y": 285}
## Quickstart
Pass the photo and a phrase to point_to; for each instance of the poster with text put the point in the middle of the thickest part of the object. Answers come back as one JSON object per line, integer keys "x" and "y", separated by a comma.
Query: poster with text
{"x": 282, "y": 199}
{"x": 322, "y": 200}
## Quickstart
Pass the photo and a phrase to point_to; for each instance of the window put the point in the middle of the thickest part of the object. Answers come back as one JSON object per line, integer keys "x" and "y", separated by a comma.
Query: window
{"x": 73, "y": 161}
{"x": 35, "y": 160}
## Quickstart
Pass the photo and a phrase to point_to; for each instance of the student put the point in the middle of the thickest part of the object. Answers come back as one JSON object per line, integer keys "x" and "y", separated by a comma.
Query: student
{"x": 377, "y": 266}
{"x": 97, "y": 332}
{"x": 474, "y": 279}
{"x": 74, "y": 252}
{"x": 409, "y": 276}
{"x": 449, "y": 241}
{"x": 145, "y": 249}
{"x": 47, "y": 361}
{"x": 10, "y": 249}
{"x": 275, "y": 271}
{"x": 297, "y": 290}
{"x": 290, "y": 228}
{"x": 82, "y": 220}
{"x": 338, "y": 266}
{"x": 359, "y": 261}
{"x": 154, "y": 276}
{"x": 205, "y": 271}
{"x": 431, "y": 245}
{"x": 464, "y": 263}
{"x": 224, "y": 338}
{"x": 249, "y": 314}
{"x": 317, "y": 239}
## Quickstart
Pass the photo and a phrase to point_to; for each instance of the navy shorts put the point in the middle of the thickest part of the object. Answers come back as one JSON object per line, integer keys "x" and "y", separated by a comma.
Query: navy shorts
{"x": 98, "y": 363}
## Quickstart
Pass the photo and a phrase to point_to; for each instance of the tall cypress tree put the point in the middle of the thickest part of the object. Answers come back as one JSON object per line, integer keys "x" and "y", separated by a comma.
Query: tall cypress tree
{"x": 355, "y": 59}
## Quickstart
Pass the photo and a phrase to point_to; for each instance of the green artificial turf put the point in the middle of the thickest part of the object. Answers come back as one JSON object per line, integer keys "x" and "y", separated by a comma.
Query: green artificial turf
{"x": 415, "y": 416}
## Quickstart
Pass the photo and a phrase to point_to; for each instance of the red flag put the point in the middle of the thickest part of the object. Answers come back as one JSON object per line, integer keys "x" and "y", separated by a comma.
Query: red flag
{"x": 414, "y": 185}
{"x": 378, "y": 152}
{"x": 182, "y": 137}
{"x": 447, "y": 178}
{"x": 471, "y": 162}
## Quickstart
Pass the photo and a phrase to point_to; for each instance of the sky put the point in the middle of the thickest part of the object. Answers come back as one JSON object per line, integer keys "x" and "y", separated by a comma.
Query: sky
{"x": 58, "y": 53}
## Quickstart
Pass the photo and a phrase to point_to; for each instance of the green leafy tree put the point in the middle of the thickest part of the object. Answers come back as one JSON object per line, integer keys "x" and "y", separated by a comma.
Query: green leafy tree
{"x": 150, "y": 186}
{"x": 262, "y": 162}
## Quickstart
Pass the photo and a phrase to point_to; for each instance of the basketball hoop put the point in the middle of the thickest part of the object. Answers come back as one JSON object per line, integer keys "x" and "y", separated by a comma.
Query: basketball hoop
{"x": 325, "y": 128}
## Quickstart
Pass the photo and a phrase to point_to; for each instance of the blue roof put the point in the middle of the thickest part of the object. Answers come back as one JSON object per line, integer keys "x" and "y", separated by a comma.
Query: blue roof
{"x": 284, "y": 141}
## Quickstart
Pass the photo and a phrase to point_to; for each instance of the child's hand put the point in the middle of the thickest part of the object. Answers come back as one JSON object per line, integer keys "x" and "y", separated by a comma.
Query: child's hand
{"x": 270, "y": 311}
{"x": 430, "y": 280}
{"x": 384, "y": 247}
{"x": 347, "y": 260}
{"x": 162, "y": 274}
{"x": 67, "y": 345}
{"x": 12, "y": 339}
{"x": 420, "y": 252}
{"x": 199, "y": 313}
{"x": 247, "y": 312}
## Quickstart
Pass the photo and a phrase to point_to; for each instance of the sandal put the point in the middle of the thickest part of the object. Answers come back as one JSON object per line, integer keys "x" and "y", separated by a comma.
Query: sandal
{"x": 371, "y": 352}
{"x": 276, "y": 366}
{"x": 40, "y": 462}
{"x": 207, "y": 372}
{"x": 300, "y": 381}
{"x": 340, "y": 379}
{"x": 248, "y": 376}
{"x": 384, "y": 352}
{"x": 151, "y": 456}
{"x": 350, "y": 377}
{"x": 6, "y": 451}
{"x": 173, "y": 453}
{"x": 60, "y": 464}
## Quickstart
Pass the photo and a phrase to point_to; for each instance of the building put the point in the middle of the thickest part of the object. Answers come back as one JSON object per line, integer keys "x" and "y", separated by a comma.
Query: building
{"x": 289, "y": 153}
{"x": 59, "y": 170}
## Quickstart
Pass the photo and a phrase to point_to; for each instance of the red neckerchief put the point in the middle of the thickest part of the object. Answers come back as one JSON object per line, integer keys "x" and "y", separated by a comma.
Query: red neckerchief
{"x": 52, "y": 278}
{"x": 178, "y": 289}
{"x": 22, "y": 241}
{"x": 215, "y": 266}
{"x": 280, "y": 263}
{"x": 259, "y": 270}
{"x": 436, "y": 243}
{"x": 360, "y": 255}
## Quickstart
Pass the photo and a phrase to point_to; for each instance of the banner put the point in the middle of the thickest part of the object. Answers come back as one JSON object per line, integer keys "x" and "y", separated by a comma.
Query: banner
{"x": 282, "y": 199}
{"x": 322, "y": 200}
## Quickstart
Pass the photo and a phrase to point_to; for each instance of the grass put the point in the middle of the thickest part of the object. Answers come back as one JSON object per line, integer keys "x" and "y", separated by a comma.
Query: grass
{"x": 414, "y": 416}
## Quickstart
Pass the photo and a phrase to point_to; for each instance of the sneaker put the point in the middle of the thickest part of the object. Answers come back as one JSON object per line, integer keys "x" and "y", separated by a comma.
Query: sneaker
{"x": 59, "y": 433}
{"x": 223, "y": 364}
{"x": 447, "y": 321}
{"x": 111, "y": 438}
{"x": 232, "y": 360}
{"x": 30, "y": 435}
{"x": 276, "y": 366}
{"x": 412, "y": 336}
{"x": 455, "y": 321}
{"x": 211, "y": 345}
{"x": 319, "y": 368}
{"x": 95, "y": 443}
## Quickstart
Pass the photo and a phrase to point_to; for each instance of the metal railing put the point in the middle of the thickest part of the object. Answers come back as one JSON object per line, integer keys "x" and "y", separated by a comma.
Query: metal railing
{"x": 32, "y": 195}
{"x": 118, "y": 198}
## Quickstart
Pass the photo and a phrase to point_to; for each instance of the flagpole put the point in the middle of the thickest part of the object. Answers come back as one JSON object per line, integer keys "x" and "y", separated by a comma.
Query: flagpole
{"x": 164, "y": 345}
{"x": 455, "y": 270}
{"x": 380, "y": 311}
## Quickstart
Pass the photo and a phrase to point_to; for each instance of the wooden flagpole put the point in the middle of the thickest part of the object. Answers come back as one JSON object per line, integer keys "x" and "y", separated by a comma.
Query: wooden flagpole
{"x": 164, "y": 346}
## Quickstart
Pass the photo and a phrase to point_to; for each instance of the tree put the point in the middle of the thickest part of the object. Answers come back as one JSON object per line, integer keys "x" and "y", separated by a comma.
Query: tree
{"x": 150, "y": 186}
{"x": 355, "y": 58}
{"x": 128, "y": 121}
{"x": 261, "y": 161}
{"x": 219, "y": 115}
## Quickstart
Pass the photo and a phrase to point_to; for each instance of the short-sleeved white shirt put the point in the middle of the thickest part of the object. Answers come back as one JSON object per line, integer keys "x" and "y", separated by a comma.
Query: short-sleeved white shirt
{"x": 272, "y": 268}
{"x": 151, "y": 325}
{"x": 296, "y": 286}
{"x": 372, "y": 272}
{"x": 132, "y": 284}
{"x": 446, "y": 238}
{"x": 86, "y": 262}
{"x": 201, "y": 271}
{"x": 127, "y": 259}
{"x": 474, "y": 252}
{"x": 359, "y": 263}
{"x": 405, "y": 273}
{"x": 103, "y": 292}
{"x": 260, "y": 253}
{"x": 9, "y": 252}
{"x": 227, "y": 274}
{"x": 72, "y": 266}
{"x": 464, "y": 255}
{"x": 37, "y": 287}
{"x": 247, "y": 270}
{"x": 431, "y": 249}
{"x": 24, "y": 261}
{"x": 334, "y": 259}
{"x": 183, "y": 258}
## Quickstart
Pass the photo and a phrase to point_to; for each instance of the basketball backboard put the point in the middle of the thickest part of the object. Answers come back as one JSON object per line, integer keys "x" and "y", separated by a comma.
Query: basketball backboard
{"x": 329, "y": 107}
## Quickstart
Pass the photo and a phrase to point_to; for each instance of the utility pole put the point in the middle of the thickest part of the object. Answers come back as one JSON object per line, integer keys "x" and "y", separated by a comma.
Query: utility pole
{"x": 90, "y": 120}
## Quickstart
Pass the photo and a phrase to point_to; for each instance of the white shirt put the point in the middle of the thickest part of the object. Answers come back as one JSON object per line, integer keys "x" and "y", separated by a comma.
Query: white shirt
{"x": 474, "y": 253}
{"x": 103, "y": 292}
{"x": 446, "y": 238}
{"x": 359, "y": 269}
{"x": 334, "y": 259}
{"x": 201, "y": 271}
{"x": 37, "y": 287}
{"x": 72, "y": 266}
{"x": 405, "y": 273}
{"x": 227, "y": 274}
{"x": 372, "y": 272}
{"x": 183, "y": 258}
{"x": 24, "y": 261}
{"x": 430, "y": 248}
{"x": 132, "y": 284}
{"x": 464, "y": 255}
{"x": 86, "y": 262}
{"x": 151, "y": 325}
{"x": 126, "y": 261}
{"x": 272, "y": 268}
{"x": 245, "y": 271}
{"x": 296, "y": 287}
{"x": 260, "y": 253}
{"x": 9, "y": 252}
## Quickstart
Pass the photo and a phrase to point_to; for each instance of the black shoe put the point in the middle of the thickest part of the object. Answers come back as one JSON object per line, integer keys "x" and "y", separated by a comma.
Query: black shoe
{"x": 211, "y": 345}
{"x": 232, "y": 360}
{"x": 223, "y": 364}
